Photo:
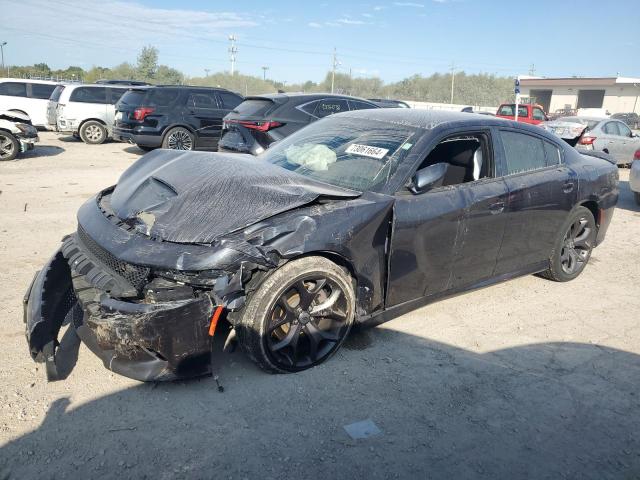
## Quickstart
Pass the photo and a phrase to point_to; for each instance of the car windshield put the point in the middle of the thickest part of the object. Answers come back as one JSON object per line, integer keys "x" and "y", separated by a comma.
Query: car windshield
{"x": 359, "y": 154}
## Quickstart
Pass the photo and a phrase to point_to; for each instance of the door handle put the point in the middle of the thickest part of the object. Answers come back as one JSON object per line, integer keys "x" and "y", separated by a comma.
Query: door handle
{"x": 496, "y": 208}
{"x": 567, "y": 187}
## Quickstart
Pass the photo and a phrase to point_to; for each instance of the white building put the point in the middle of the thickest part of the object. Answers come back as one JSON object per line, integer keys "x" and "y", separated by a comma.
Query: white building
{"x": 613, "y": 94}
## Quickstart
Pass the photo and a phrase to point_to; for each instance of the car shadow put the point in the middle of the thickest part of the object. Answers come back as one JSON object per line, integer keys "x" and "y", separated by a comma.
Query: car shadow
{"x": 550, "y": 410}
{"x": 41, "y": 151}
{"x": 626, "y": 199}
{"x": 135, "y": 150}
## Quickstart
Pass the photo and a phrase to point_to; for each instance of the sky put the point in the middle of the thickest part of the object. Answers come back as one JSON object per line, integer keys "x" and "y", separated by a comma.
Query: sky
{"x": 295, "y": 39}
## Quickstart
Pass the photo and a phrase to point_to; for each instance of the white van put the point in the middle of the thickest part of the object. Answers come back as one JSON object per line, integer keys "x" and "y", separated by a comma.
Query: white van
{"x": 87, "y": 111}
{"x": 29, "y": 97}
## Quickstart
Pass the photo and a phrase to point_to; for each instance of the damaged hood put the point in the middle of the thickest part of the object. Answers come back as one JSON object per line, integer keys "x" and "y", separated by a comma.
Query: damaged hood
{"x": 196, "y": 197}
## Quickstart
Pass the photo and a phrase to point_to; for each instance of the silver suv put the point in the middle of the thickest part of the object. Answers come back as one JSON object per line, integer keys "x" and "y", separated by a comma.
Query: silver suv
{"x": 86, "y": 111}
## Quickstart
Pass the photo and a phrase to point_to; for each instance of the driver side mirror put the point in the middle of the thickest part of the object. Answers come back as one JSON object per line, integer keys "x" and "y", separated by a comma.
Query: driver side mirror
{"x": 427, "y": 178}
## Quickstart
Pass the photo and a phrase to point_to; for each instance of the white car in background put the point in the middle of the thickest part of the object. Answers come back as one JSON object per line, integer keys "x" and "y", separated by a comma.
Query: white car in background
{"x": 28, "y": 97}
{"x": 86, "y": 111}
{"x": 17, "y": 135}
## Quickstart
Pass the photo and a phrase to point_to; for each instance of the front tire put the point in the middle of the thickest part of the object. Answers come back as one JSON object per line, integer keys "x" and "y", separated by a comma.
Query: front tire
{"x": 179, "y": 138}
{"x": 298, "y": 316}
{"x": 573, "y": 247}
{"x": 93, "y": 132}
{"x": 9, "y": 146}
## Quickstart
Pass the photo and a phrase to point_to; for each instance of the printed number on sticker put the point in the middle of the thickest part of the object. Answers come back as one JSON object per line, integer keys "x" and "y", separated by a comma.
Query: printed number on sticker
{"x": 367, "y": 151}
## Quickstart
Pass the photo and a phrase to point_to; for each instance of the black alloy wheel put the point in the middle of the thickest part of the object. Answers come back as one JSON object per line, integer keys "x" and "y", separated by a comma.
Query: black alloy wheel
{"x": 307, "y": 323}
{"x": 576, "y": 246}
{"x": 297, "y": 316}
{"x": 573, "y": 247}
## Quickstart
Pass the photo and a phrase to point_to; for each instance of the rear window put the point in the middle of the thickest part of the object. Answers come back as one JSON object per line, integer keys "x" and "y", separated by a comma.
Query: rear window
{"x": 254, "y": 107}
{"x": 132, "y": 97}
{"x": 55, "y": 95}
{"x": 89, "y": 95}
{"x": 508, "y": 111}
{"x": 229, "y": 100}
{"x": 13, "y": 89}
{"x": 41, "y": 90}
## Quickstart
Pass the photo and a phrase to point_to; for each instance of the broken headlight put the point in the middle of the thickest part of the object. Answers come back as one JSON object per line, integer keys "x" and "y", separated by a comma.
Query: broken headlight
{"x": 26, "y": 129}
{"x": 205, "y": 278}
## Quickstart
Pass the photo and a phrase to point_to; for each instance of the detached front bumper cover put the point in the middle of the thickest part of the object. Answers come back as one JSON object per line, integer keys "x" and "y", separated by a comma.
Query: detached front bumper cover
{"x": 145, "y": 341}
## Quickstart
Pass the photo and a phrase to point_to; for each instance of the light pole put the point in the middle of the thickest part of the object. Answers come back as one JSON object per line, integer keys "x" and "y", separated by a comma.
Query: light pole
{"x": 264, "y": 73}
{"x": 2, "y": 52}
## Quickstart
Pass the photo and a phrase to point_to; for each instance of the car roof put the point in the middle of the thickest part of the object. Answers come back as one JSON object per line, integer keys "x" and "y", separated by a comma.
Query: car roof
{"x": 28, "y": 80}
{"x": 430, "y": 119}
{"x": 303, "y": 96}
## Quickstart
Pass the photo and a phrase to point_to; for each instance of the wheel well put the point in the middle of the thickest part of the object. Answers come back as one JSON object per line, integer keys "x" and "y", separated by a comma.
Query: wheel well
{"x": 168, "y": 129}
{"x": 592, "y": 206}
{"x": 91, "y": 120}
{"x": 335, "y": 258}
{"x": 19, "y": 111}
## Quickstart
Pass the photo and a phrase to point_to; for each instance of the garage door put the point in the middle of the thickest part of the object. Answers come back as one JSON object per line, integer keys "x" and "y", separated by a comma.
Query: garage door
{"x": 542, "y": 97}
{"x": 590, "y": 98}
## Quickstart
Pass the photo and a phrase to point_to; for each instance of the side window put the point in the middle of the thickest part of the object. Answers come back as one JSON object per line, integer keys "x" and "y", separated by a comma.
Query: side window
{"x": 523, "y": 153}
{"x": 89, "y": 95}
{"x": 309, "y": 108}
{"x": 523, "y": 111}
{"x": 162, "y": 97}
{"x": 506, "y": 110}
{"x": 202, "y": 99}
{"x": 468, "y": 157}
{"x": 624, "y": 130}
{"x": 552, "y": 154}
{"x": 13, "y": 89}
{"x": 115, "y": 94}
{"x": 229, "y": 100}
{"x": 538, "y": 114}
{"x": 329, "y": 106}
{"x": 611, "y": 128}
{"x": 358, "y": 105}
{"x": 41, "y": 90}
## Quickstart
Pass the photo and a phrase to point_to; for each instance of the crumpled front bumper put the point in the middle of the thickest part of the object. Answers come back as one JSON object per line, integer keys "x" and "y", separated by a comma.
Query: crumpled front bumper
{"x": 144, "y": 341}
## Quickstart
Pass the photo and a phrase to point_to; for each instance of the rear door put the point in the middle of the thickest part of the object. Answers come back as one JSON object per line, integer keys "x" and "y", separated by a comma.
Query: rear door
{"x": 205, "y": 115}
{"x": 542, "y": 192}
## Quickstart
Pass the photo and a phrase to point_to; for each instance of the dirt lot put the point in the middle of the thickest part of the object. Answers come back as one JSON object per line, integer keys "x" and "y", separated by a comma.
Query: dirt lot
{"x": 527, "y": 379}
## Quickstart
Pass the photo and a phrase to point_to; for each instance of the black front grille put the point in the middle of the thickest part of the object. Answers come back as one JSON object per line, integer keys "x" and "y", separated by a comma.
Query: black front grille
{"x": 136, "y": 275}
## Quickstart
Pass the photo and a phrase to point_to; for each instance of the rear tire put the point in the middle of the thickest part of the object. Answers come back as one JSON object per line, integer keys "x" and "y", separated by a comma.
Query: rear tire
{"x": 93, "y": 132}
{"x": 285, "y": 329}
{"x": 573, "y": 246}
{"x": 179, "y": 138}
{"x": 9, "y": 146}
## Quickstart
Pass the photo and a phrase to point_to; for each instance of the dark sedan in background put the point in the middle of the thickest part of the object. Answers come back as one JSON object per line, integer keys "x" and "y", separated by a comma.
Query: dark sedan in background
{"x": 262, "y": 120}
{"x": 359, "y": 217}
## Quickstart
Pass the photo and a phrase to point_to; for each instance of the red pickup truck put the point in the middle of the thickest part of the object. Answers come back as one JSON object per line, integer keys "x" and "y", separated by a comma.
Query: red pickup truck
{"x": 533, "y": 114}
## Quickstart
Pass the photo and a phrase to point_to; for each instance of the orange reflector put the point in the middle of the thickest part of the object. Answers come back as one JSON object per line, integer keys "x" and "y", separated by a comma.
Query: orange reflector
{"x": 214, "y": 320}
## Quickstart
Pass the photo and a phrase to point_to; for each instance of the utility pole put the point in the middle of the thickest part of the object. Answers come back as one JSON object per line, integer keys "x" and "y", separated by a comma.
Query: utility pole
{"x": 2, "y": 51}
{"x": 333, "y": 72}
{"x": 232, "y": 52}
{"x": 264, "y": 73}
{"x": 206, "y": 72}
{"x": 453, "y": 77}
{"x": 532, "y": 70}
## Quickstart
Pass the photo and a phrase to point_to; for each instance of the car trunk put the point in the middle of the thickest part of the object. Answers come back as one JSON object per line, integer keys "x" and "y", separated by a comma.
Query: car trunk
{"x": 53, "y": 105}
{"x": 126, "y": 106}
{"x": 247, "y": 124}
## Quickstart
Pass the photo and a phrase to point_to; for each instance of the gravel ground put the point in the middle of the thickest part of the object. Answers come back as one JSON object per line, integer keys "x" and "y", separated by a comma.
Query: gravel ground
{"x": 526, "y": 379}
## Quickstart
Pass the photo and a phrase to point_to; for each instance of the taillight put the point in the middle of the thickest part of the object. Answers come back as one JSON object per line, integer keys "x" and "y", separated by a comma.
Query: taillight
{"x": 636, "y": 156}
{"x": 260, "y": 126}
{"x": 141, "y": 112}
{"x": 586, "y": 140}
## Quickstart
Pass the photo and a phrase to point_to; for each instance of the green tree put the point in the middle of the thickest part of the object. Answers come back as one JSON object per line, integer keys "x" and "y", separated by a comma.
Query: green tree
{"x": 148, "y": 63}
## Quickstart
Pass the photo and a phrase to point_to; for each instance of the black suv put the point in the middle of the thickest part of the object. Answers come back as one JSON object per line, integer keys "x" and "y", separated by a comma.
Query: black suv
{"x": 261, "y": 120}
{"x": 175, "y": 117}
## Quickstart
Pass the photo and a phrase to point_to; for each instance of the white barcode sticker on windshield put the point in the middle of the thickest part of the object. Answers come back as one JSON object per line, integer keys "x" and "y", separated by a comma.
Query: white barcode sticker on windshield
{"x": 367, "y": 151}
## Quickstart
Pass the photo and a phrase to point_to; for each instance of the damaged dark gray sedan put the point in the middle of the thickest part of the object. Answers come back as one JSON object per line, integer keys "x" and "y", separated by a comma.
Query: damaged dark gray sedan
{"x": 357, "y": 218}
